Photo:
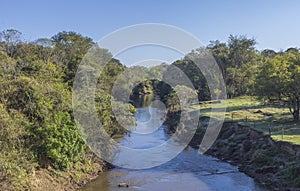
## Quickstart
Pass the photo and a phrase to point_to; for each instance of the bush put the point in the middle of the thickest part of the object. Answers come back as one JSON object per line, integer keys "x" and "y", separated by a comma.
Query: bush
{"x": 15, "y": 160}
{"x": 63, "y": 143}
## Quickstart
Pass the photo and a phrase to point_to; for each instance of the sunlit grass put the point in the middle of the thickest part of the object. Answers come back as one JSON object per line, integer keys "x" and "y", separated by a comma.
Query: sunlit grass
{"x": 250, "y": 111}
{"x": 290, "y": 138}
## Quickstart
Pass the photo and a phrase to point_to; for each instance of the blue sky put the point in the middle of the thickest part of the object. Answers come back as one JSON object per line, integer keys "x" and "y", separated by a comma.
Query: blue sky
{"x": 274, "y": 24}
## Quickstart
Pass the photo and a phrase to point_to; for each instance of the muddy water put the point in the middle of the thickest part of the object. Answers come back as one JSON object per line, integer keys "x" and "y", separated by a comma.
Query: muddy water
{"x": 188, "y": 171}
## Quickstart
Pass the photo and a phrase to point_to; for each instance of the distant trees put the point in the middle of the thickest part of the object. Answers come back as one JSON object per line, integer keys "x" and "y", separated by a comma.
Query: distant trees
{"x": 10, "y": 38}
{"x": 273, "y": 76}
{"x": 237, "y": 60}
{"x": 109, "y": 74}
{"x": 196, "y": 77}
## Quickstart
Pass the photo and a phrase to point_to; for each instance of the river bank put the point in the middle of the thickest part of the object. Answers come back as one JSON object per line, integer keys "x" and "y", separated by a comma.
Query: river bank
{"x": 83, "y": 172}
{"x": 274, "y": 164}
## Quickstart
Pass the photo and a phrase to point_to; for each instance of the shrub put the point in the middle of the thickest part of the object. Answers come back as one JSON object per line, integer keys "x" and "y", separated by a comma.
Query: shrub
{"x": 62, "y": 142}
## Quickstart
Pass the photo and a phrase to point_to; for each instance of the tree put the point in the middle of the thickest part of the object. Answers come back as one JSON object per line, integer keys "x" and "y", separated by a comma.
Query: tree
{"x": 186, "y": 95}
{"x": 15, "y": 158}
{"x": 194, "y": 74}
{"x": 110, "y": 73}
{"x": 70, "y": 48}
{"x": 7, "y": 66}
{"x": 242, "y": 61}
{"x": 45, "y": 49}
{"x": 292, "y": 50}
{"x": 11, "y": 38}
{"x": 268, "y": 53}
{"x": 220, "y": 51}
{"x": 278, "y": 81}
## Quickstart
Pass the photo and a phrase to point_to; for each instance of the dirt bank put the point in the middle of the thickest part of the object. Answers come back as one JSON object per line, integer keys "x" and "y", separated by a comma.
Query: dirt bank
{"x": 82, "y": 173}
{"x": 275, "y": 164}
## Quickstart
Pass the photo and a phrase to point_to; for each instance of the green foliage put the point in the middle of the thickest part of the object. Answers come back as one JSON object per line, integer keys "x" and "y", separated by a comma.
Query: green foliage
{"x": 110, "y": 73}
{"x": 108, "y": 117}
{"x": 20, "y": 94}
{"x": 195, "y": 75}
{"x": 186, "y": 94}
{"x": 37, "y": 125}
{"x": 238, "y": 61}
{"x": 12, "y": 129}
{"x": 63, "y": 144}
{"x": 13, "y": 171}
{"x": 145, "y": 87}
{"x": 15, "y": 160}
{"x": 7, "y": 66}
{"x": 71, "y": 48}
{"x": 278, "y": 81}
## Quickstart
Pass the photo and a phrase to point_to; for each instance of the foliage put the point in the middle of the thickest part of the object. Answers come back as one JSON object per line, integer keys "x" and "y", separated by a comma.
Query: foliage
{"x": 63, "y": 144}
{"x": 278, "y": 81}
{"x": 15, "y": 160}
{"x": 238, "y": 61}
{"x": 37, "y": 126}
{"x": 71, "y": 48}
{"x": 195, "y": 75}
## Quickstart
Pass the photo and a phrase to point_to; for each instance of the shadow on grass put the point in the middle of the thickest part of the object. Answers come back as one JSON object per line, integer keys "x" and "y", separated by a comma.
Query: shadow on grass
{"x": 270, "y": 119}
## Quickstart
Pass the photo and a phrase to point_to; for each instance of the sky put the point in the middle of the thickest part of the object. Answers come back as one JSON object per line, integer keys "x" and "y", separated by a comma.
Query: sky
{"x": 275, "y": 24}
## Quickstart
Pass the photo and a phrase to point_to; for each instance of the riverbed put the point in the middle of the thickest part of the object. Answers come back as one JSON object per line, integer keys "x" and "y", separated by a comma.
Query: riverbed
{"x": 188, "y": 171}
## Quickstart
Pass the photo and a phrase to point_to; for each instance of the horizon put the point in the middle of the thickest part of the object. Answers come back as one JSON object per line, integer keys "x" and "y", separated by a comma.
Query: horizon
{"x": 140, "y": 55}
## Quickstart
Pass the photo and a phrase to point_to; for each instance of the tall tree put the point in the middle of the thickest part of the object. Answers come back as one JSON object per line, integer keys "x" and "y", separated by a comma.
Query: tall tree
{"x": 45, "y": 49}
{"x": 10, "y": 39}
{"x": 242, "y": 61}
{"x": 71, "y": 47}
{"x": 278, "y": 81}
{"x": 220, "y": 51}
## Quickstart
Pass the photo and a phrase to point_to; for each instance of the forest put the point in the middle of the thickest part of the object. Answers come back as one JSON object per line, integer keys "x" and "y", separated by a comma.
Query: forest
{"x": 38, "y": 129}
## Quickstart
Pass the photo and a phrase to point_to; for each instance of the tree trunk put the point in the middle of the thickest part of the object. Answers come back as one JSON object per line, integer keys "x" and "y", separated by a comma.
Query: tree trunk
{"x": 296, "y": 110}
{"x": 296, "y": 115}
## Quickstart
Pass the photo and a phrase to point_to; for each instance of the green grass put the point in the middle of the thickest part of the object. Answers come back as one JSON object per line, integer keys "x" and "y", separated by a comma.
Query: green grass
{"x": 290, "y": 138}
{"x": 250, "y": 111}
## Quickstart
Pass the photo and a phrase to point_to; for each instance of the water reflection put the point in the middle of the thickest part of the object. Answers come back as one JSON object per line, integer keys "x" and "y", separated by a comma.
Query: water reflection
{"x": 143, "y": 100}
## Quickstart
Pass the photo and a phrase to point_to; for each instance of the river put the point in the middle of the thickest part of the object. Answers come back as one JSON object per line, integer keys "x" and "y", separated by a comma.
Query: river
{"x": 188, "y": 171}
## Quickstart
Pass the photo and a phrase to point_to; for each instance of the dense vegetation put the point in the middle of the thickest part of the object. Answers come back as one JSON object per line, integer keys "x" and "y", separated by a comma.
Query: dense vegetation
{"x": 37, "y": 126}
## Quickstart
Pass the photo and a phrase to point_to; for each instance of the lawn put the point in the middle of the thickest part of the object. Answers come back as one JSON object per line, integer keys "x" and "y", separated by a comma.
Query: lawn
{"x": 264, "y": 117}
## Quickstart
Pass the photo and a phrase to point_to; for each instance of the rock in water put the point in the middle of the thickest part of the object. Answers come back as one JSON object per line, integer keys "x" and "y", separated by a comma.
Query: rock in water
{"x": 123, "y": 184}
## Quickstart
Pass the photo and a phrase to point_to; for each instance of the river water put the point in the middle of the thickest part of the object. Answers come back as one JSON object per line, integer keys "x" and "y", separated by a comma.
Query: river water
{"x": 188, "y": 171}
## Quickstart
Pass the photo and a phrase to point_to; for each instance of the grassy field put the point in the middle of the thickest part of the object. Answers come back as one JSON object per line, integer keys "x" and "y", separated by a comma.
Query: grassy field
{"x": 266, "y": 118}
